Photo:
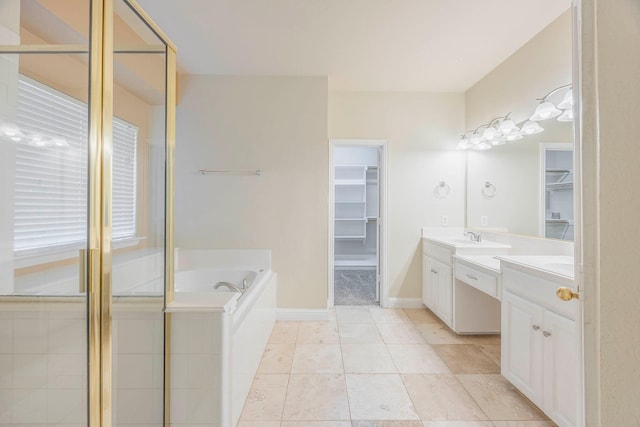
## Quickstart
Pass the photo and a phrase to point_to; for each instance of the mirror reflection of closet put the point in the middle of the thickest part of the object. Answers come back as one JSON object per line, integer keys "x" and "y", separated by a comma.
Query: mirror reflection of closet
{"x": 557, "y": 176}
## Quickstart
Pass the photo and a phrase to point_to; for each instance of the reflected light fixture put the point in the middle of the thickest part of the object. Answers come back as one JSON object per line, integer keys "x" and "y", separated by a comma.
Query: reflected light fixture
{"x": 502, "y": 130}
{"x": 507, "y": 126}
{"x": 482, "y": 146}
{"x": 489, "y": 133}
{"x": 514, "y": 137}
{"x": 531, "y": 128}
{"x": 566, "y": 116}
{"x": 567, "y": 101}
{"x": 547, "y": 109}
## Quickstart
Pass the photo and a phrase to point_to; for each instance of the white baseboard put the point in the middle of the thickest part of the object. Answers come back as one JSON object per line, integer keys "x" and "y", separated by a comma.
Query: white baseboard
{"x": 302, "y": 314}
{"x": 405, "y": 302}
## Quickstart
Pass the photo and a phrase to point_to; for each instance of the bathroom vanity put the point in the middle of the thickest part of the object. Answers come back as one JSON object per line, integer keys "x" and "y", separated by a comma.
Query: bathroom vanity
{"x": 464, "y": 308}
{"x": 539, "y": 333}
{"x": 490, "y": 287}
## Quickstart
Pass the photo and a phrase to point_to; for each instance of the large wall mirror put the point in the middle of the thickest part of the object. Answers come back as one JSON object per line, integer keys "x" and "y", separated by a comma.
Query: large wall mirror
{"x": 525, "y": 186}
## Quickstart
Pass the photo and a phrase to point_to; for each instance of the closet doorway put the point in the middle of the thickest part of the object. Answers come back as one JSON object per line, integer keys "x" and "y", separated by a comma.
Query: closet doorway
{"x": 357, "y": 223}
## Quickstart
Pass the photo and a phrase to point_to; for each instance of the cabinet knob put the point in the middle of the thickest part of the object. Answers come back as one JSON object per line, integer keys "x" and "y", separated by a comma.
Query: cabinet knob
{"x": 566, "y": 294}
{"x": 546, "y": 333}
{"x": 535, "y": 327}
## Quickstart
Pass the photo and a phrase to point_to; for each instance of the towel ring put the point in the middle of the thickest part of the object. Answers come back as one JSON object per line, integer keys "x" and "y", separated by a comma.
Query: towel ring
{"x": 489, "y": 190}
{"x": 441, "y": 190}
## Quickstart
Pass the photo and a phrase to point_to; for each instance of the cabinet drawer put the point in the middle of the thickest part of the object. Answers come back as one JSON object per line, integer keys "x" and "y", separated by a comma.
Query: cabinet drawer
{"x": 479, "y": 280}
{"x": 538, "y": 290}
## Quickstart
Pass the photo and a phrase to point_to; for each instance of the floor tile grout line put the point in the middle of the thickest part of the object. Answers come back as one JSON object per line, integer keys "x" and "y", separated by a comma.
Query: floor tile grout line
{"x": 286, "y": 389}
{"x": 344, "y": 376}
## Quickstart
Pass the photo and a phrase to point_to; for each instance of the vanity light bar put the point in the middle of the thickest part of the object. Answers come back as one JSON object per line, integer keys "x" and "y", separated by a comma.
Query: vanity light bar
{"x": 502, "y": 130}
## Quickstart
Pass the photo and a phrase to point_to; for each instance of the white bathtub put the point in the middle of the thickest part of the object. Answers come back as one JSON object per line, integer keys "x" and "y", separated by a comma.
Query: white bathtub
{"x": 204, "y": 279}
{"x": 232, "y": 331}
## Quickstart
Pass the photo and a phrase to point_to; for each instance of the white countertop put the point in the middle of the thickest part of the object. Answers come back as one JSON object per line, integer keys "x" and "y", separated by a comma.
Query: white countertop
{"x": 203, "y": 301}
{"x": 560, "y": 266}
{"x": 464, "y": 242}
{"x": 487, "y": 262}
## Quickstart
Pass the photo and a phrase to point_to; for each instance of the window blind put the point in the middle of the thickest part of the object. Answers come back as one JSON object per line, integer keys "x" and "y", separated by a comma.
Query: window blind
{"x": 50, "y": 207}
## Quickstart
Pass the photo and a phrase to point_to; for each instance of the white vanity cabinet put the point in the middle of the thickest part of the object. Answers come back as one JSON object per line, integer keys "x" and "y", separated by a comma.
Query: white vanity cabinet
{"x": 540, "y": 352}
{"x": 461, "y": 307}
{"x": 436, "y": 288}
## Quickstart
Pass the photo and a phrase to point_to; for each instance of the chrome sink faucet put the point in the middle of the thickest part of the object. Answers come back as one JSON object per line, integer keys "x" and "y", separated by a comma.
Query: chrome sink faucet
{"x": 473, "y": 236}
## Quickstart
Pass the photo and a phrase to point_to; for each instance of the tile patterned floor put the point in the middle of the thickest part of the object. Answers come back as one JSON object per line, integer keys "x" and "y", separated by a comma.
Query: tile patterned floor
{"x": 374, "y": 367}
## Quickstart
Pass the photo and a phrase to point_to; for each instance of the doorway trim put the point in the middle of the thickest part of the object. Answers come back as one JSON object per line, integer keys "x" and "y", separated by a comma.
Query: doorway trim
{"x": 383, "y": 180}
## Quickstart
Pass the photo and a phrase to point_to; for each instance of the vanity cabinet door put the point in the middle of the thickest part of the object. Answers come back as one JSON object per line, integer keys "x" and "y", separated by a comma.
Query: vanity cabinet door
{"x": 437, "y": 288}
{"x": 428, "y": 269}
{"x": 444, "y": 293}
{"x": 522, "y": 342}
{"x": 560, "y": 369}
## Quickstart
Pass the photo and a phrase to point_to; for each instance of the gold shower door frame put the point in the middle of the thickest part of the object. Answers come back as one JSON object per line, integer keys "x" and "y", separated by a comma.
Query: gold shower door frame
{"x": 99, "y": 289}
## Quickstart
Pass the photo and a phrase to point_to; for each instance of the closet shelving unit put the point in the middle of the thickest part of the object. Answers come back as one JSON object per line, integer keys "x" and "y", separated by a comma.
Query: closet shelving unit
{"x": 557, "y": 180}
{"x": 350, "y": 202}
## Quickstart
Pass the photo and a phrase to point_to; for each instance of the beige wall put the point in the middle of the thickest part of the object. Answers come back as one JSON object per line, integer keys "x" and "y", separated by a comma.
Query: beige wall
{"x": 421, "y": 129}
{"x": 539, "y": 66}
{"x": 542, "y": 64}
{"x": 277, "y": 125}
{"x": 610, "y": 66}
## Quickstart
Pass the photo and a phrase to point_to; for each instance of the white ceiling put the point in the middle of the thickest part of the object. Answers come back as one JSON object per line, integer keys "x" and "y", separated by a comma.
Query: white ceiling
{"x": 377, "y": 45}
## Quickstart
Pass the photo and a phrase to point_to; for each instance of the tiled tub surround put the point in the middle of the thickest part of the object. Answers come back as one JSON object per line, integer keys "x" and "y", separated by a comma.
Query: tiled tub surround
{"x": 218, "y": 339}
{"x": 43, "y": 362}
{"x": 375, "y": 367}
{"x": 138, "y": 273}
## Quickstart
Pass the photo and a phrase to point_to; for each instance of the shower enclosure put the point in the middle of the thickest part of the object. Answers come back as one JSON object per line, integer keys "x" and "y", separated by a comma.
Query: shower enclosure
{"x": 87, "y": 114}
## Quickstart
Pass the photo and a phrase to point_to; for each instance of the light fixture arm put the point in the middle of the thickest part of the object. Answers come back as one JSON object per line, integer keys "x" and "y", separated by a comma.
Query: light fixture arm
{"x": 544, "y": 98}
{"x": 486, "y": 125}
{"x": 505, "y": 117}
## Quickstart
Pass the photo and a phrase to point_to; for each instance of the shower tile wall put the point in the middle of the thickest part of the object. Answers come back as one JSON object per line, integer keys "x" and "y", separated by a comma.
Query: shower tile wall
{"x": 196, "y": 368}
{"x": 43, "y": 367}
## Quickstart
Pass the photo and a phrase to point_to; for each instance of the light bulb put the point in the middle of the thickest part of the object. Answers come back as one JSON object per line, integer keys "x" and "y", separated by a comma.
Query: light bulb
{"x": 514, "y": 137}
{"x": 566, "y": 116}
{"x": 489, "y": 133}
{"x": 545, "y": 110}
{"x": 475, "y": 139}
{"x": 482, "y": 146}
{"x": 531, "y": 128}
{"x": 463, "y": 143}
{"x": 507, "y": 126}
{"x": 567, "y": 101}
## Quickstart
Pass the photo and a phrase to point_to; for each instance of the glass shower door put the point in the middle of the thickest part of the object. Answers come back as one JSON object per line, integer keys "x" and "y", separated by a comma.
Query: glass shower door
{"x": 84, "y": 127}
{"x": 138, "y": 286}
{"x": 44, "y": 211}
